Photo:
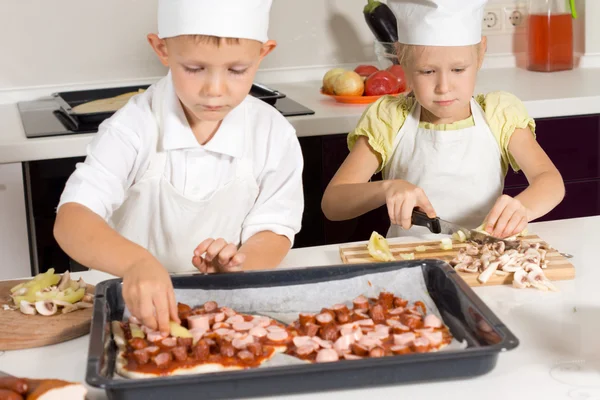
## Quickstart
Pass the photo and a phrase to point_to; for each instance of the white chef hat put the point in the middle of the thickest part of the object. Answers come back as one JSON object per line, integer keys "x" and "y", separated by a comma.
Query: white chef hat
{"x": 243, "y": 19}
{"x": 438, "y": 22}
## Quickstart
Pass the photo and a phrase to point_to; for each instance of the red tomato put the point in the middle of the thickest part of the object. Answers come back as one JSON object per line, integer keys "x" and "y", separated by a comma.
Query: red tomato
{"x": 399, "y": 73}
{"x": 365, "y": 70}
{"x": 382, "y": 82}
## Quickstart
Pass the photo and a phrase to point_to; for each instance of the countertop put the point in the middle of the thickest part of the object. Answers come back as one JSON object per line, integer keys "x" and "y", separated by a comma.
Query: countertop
{"x": 558, "y": 356}
{"x": 545, "y": 95}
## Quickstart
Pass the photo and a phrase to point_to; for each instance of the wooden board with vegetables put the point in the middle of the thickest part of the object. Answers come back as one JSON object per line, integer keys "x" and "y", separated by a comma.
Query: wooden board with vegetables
{"x": 533, "y": 264}
{"x": 44, "y": 310}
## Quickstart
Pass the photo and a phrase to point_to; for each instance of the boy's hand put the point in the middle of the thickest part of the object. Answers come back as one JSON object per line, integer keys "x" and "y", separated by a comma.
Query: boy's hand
{"x": 220, "y": 257}
{"x": 401, "y": 198}
{"x": 507, "y": 218}
{"x": 149, "y": 296}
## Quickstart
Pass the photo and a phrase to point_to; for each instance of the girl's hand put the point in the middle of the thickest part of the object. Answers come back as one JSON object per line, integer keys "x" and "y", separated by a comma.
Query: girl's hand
{"x": 401, "y": 198}
{"x": 508, "y": 217}
{"x": 220, "y": 257}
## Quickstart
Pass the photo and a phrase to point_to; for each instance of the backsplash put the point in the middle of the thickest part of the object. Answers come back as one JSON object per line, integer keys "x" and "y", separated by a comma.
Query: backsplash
{"x": 55, "y": 42}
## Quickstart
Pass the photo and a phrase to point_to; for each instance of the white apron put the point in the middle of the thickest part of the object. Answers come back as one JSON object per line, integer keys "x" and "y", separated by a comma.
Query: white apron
{"x": 158, "y": 217}
{"x": 460, "y": 171}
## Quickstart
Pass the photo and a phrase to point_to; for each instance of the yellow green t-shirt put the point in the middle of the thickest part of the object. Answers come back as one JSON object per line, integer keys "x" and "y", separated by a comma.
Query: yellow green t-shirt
{"x": 382, "y": 120}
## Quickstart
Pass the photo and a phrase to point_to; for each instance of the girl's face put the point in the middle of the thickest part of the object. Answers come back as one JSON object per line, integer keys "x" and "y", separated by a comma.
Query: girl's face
{"x": 443, "y": 80}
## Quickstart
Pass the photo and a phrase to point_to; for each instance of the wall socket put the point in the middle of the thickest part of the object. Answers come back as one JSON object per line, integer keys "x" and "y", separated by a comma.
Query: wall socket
{"x": 504, "y": 19}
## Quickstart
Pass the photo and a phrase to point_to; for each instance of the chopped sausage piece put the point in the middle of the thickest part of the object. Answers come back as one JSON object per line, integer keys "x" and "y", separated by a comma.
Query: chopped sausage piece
{"x": 277, "y": 336}
{"x": 342, "y": 313}
{"x": 162, "y": 360}
{"x": 138, "y": 343}
{"x": 327, "y": 355}
{"x": 306, "y": 318}
{"x": 180, "y": 353}
{"x": 183, "y": 310}
{"x": 411, "y": 320}
{"x": 243, "y": 326}
{"x": 311, "y": 329}
{"x": 398, "y": 302}
{"x": 324, "y": 318}
{"x": 227, "y": 350}
{"x": 185, "y": 342}
{"x": 305, "y": 350}
{"x": 387, "y": 300}
{"x": 255, "y": 348}
{"x": 400, "y": 349}
{"x": 359, "y": 349}
{"x": 258, "y": 331}
{"x": 377, "y": 314}
{"x": 201, "y": 350}
{"x": 377, "y": 352}
{"x": 210, "y": 306}
{"x": 169, "y": 342}
{"x": 361, "y": 303}
{"x": 420, "y": 345}
{"x": 246, "y": 356}
{"x": 432, "y": 321}
{"x": 329, "y": 332}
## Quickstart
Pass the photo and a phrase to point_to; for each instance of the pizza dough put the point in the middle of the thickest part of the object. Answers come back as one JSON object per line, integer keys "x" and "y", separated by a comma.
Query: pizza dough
{"x": 110, "y": 104}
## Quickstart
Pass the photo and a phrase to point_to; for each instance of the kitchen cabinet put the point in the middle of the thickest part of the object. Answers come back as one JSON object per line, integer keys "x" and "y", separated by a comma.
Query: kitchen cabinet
{"x": 14, "y": 246}
{"x": 573, "y": 144}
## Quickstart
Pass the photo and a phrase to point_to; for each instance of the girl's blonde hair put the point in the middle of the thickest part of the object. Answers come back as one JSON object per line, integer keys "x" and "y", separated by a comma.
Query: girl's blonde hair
{"x": 406, "y": 52}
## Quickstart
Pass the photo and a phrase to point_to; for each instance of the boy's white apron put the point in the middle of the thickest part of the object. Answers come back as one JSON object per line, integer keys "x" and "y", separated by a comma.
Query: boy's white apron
{"x": 460, "y": 171}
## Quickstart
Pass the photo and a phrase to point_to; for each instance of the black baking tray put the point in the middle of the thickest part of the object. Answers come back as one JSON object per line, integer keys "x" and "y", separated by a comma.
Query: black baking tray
{"x": 69, "y": 100}
{"x": 461, "y": 309}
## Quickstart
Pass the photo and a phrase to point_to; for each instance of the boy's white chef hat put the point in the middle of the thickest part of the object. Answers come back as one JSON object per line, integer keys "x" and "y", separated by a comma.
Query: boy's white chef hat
{"x": 243, "y": 19}
{"x": 438, "y": 22}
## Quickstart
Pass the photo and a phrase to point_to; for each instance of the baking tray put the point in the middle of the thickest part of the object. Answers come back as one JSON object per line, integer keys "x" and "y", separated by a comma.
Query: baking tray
{"x": 72, "y": 120}
{"x": 462, "y": 310}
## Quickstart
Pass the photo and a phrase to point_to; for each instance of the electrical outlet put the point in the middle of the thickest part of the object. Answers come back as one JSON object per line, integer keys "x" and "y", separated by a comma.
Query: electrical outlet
{"x": 493, "y": 19}
{"x": 515, "y": 18}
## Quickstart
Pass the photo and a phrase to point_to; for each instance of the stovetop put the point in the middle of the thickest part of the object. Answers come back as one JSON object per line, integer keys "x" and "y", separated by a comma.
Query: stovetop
{"x": 44, "y": 117}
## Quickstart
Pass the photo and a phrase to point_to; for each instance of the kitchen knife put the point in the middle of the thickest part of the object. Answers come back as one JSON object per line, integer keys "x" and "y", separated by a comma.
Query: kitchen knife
{"x": 440, "y": 226}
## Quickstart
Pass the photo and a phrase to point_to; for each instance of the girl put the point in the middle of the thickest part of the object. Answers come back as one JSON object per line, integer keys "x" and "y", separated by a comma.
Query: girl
{"x": 444, "y": 151}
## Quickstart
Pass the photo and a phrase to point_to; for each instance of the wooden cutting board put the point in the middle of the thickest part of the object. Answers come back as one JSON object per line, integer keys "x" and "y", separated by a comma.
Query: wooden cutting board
{"x": 559, "y": 268}
{"x": 20, "y": 331}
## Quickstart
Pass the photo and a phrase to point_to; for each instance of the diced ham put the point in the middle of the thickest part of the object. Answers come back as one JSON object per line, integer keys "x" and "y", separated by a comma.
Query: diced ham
{"x": 162, "y": 359}
{"x": 235, "y": 319}
{"x": 327, "y": 355}
{"x": 435, "y": 338}
{"x": 199, "y": 322}
{"x": 169, "y": 342}
{"x": 404, "y": 339}
{"x": 432, "y": 321}
{"x": 141, "y": 356}
{"x": 179, "y": 353}
{"x": 258, "y": 331}
{"x": 277, "y": 336}
{"x": 348, "y": 328}
{"x": 242, "y": 326}
{"x": 246, "y": 356}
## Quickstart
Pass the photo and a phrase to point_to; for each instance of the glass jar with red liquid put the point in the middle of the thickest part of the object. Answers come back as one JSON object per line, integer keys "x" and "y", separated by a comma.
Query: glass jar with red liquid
{"x": 550, "y": 35}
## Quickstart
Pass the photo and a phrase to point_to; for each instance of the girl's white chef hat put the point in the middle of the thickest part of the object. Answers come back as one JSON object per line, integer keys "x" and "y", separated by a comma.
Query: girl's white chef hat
{"x": 438, "y": 22}
{"x": 243, "y": 19}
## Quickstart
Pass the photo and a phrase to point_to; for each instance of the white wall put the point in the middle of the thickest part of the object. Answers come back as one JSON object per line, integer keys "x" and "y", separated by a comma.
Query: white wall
{"x": 54, "y": 42}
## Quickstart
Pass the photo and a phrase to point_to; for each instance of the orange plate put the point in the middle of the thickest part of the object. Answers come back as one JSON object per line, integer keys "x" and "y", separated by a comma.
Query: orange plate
{"x": 355, "y": 99}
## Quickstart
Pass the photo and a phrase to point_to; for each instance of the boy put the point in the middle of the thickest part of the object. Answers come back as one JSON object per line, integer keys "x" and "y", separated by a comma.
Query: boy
{"x": 192, "y": 168}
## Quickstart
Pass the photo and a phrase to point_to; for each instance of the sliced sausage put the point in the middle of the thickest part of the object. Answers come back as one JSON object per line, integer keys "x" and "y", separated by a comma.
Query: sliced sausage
{"x": 138, "y": 343}
{"x": 219, "y": 317}
{"x": 162, "y": 360}
{"x": 228, "y": 311}
{"x": 366, "y": 322}
{"x": 199, "y": 322}
{"x": 235, "y": 319}
{"x": 261, "y": 321}
{"x": 220, "y": 325}
{"x": 17, "y": 385}
{"x": 224, "y": 332}
{"x": 305, "y": 350}
{"x": 246, "y": 356}
{"x": 327, "y": 355}
{"x": 377, "y": 352}
{"x": 179, "y": 353}
{"x": 141, "y": 357}
{"x": 258, "y": 331}
{"x": 377, "y": 314}
{"x": 359, "y": 349}
{"x": 242, "y": 342}
{"x": 277, "y": 336}
{"x": 386, "y": 299}
{"x": 329, "y": 332}
{"x": 324, "y": 318}
{"x": 274, "y": 328}
{"x": 242, "y": 326}
{"x": 201, "y": 350}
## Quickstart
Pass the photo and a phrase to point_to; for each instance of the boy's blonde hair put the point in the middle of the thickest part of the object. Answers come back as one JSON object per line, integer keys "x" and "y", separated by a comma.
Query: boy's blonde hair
{"x": 213, "y": 40}
{"x": 405, "y": 52}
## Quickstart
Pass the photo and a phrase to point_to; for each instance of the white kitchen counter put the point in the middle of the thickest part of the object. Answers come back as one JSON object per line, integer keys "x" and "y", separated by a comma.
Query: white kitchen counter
{"x": 568, "y": 93}
{"x": 558, "y": 356}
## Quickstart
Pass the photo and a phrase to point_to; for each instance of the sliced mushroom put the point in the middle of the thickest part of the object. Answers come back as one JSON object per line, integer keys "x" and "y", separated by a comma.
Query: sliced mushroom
{"x": 538, "y": 280}
{"x": 520, "y": 280}
{"x": 65, "y": 279}
{"x": 27, "y": 308}
{"x": 487, "y": 273}
{"x": 77, "y": 306}
{"x": 46, "y": 307}
{"x": 81, "y": 283}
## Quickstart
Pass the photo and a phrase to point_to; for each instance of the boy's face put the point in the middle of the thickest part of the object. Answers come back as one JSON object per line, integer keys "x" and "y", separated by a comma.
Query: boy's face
{"x": 210, "y": 80}
{"x": 443, "y": 80}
